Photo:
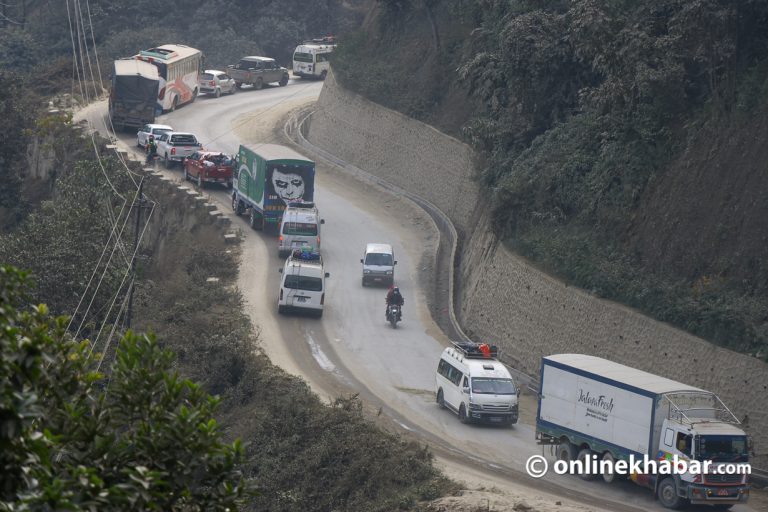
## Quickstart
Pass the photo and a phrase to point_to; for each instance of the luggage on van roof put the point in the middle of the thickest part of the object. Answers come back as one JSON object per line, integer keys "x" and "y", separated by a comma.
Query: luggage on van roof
{"x": 473, "y": 350}
{"x": 306, "y": 254}
{"x": 301, "y": 204}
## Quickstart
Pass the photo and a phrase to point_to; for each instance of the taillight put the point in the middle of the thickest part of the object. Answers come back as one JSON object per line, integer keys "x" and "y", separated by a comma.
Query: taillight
{"x": 322, "y": 299}
{"x": 280, "y": 238}
{"x": 173, "y": 151}
{"x": 318, "y": 241}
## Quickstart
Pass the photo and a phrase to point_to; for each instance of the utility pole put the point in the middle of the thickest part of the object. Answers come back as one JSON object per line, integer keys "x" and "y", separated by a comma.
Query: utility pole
{"x": 134, "y": 257}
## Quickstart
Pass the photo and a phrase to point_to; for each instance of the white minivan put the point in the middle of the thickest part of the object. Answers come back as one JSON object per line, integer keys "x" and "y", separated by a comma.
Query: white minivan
{"x": 472, "y": 383}
{"x": 378, "y": 264}
{"x": 302, "y": 286}
{"x": 300, "y": 227}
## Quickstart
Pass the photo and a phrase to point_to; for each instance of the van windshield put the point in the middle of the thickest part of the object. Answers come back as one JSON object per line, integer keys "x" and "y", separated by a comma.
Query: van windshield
{"x": 300, "y": 228}
{"x": 488, "y": 386}
{"x": 375, "y": 258}
{"x": 302, "y": 57}
{"x": 307, "y": 283}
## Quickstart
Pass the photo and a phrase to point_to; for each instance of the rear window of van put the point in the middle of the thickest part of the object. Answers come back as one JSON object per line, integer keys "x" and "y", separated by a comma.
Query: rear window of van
{"x": 300, "y": 228}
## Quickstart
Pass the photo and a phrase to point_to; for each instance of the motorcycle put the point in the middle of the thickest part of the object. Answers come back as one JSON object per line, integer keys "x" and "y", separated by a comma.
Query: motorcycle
{"x": 393, "y": 315}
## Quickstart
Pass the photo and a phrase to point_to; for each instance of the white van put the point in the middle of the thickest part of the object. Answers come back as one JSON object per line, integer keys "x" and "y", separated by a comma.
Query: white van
{"x": 300, "y": 227}
{"x": 310, "y": 60}
{"x": 378, "y": 264}
{"x": 302, "y": 286}
{"x": 475, "y": 385}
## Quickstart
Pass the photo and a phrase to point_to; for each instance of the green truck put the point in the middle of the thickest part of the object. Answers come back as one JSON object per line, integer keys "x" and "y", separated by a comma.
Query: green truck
{"x": 268, "y": 179}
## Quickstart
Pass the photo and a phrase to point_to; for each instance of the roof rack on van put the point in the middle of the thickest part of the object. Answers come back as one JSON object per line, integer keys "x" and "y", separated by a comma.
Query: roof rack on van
{"x": 321, "y": 40}
{"x": 301, "y": 204}
{"x": 474, "y": 350}
{"x": 306, "y": 253}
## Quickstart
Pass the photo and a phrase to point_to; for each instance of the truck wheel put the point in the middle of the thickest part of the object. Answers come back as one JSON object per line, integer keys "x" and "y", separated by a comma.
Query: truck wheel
{"x": 463, "y": 414}
{"x": 257, "y": 220}
{"x": 609, "y": 476}
{"x": 586, "y": 456}
{"x": 284, "y": 81}
{"x": 566, "y": 451}
{"x": 258, "y": 84}
{"x": 440, "y": 400}
{"x": 237, "y": 206}
{"x": 667, "y": 493}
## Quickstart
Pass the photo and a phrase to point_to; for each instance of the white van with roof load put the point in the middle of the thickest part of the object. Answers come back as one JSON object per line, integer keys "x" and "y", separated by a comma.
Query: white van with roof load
{"x": 310, "y": 60}
{"x": 300, "y": 227}
{"x": 471, "y": 382}
{"x": 378, "y": 264}
{"x": 302, "y": 286}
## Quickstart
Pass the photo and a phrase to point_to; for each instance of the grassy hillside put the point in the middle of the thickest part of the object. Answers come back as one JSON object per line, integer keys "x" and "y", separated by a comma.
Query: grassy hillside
{"x": 622, "y": 139}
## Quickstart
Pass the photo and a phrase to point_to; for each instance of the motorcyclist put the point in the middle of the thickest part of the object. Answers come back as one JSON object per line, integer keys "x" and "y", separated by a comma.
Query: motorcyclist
{"x": 394, "y": 298}
{"x": 151, "y": 149}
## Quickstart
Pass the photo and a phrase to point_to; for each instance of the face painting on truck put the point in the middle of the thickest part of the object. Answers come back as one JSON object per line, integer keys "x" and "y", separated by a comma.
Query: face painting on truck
{"x": 288, "y": 183}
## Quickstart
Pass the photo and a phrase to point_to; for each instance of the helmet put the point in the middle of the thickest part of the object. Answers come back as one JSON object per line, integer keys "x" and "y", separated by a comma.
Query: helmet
{"x": 151, "y": 137}
{"x": 395, "y": 290}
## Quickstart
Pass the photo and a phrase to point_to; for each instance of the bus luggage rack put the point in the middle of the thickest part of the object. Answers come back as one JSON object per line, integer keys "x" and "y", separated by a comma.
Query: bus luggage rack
{"x": 473, "y": 350}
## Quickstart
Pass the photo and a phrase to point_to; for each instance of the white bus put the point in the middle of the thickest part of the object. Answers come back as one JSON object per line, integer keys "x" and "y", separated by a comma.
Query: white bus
{"x": 179, "y": 67}
{"x": 310, "y": 60}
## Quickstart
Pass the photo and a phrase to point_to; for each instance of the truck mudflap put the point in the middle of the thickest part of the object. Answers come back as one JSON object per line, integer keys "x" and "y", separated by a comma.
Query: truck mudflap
{"x": 717, "y": 494}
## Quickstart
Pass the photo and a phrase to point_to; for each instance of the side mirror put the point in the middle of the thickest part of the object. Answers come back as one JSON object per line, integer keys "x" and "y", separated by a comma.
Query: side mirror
{"x": 327, "y": 274}
{"x": 322, "y": 221}
{"x": 518, "y": 392}
{"x": 395, "y": 262}
{"x": 465, "y": 390}
{"x": 280, "y": 270}
{"x": 361, "y": 260}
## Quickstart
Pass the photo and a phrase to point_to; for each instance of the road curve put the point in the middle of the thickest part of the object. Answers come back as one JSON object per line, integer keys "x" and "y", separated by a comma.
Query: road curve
{"x": 352, "y": 349}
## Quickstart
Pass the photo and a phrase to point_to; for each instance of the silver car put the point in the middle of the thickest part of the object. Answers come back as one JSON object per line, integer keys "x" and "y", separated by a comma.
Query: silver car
{"x": 150, "y": 129}
{"x": 216, "y": 82}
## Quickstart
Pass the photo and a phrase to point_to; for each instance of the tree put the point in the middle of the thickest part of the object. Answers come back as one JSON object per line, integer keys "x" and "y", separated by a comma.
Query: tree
{"x": 135, "y": 437}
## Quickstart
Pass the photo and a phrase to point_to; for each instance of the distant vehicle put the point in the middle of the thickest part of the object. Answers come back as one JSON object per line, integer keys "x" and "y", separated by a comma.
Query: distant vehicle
{"x": 378, "y": 264}
{"x": 209, "y": 167}
{"x": 257, "y": 71}
{"x": 150, "y": 129}
{"x": 300, "y": 227}
{"x": 302, "y": 286}
{"x": 217, "y": 83}
{"x": 590, "y": 407}
{"x": 179, "y": 68}
{"x": 174, "y": 147}
{"x": 310, "y": 59}
{"x": 269, "y": 177}
{"x": 133, "y": 94}
{"x": 471, "y": 382}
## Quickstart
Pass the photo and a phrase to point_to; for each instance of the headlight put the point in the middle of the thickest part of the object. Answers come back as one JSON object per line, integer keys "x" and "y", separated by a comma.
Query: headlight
{"x": 475, "y": 407}
{"x": 366, "y": 271}
{"x": 389, "y": 272}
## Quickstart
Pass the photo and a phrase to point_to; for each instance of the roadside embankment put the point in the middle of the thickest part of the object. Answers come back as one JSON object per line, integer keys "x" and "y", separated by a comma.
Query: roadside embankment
{"x": 504, "y": 299}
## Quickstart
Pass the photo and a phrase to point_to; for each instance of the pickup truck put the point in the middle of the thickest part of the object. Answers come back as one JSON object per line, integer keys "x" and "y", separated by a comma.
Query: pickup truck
{"x": 174, "y": 147}
{"x": 209, "y": 167}
{"x": 257, "y": 71}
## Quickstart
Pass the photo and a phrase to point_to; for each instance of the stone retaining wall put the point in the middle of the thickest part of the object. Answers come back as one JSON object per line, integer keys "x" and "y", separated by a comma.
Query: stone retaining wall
{"x": 501, "y": 297}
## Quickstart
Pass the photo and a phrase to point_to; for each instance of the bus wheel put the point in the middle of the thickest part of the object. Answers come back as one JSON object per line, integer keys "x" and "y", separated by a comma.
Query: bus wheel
{"x": 174, "y": 103}
{"x": 194, "y": 95}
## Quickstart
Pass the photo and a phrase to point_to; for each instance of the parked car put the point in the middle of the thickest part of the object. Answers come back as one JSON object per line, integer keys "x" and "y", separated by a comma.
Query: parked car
{"x": 216, "y": 83}
{"x": 257, "y": 71}
{"x": 174, "y": 147}
{"x": 209, "y": 167}
{"x": 150, "y": 129}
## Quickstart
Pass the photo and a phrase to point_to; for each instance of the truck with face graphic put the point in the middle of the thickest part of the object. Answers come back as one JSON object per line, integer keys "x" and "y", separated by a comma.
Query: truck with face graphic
{"x": 267, "y": 178}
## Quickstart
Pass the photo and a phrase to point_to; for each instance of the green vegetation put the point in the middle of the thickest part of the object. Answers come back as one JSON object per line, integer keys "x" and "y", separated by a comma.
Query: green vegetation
{"x": 591, "y": 116}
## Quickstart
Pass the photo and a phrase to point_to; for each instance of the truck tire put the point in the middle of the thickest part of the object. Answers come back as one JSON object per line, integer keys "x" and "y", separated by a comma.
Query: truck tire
{"x": 463, "y": 414}
{"x": 237, "y": 206}
{"x": 440, "y": 400}
{"x": 667, "y": 493}
{"x": 609, "y": 476}
{"x": 586, "y": 456}
{"x": 258, "y": 84}
{"x": 566, "y": 451}
{"x": 284, "y": 80}
{"x": 256, "y": 220}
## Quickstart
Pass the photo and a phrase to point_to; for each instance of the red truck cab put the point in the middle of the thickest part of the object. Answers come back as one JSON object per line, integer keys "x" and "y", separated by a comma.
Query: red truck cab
{"x": 209, "y": 167}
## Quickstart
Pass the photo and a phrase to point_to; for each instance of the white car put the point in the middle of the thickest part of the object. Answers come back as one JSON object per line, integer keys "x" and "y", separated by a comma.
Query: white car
{"x": 174, "y": 147}
{"x": 150, "y": 129}
{"x": 216, "y": 82}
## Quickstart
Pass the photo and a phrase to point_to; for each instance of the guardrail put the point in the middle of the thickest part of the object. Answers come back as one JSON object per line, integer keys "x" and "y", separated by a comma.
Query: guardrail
{"x": 295, "y": 130}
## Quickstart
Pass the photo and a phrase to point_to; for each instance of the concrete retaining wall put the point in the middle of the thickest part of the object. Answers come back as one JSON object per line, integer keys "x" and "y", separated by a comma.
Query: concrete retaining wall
{"x": 503, "y": 299}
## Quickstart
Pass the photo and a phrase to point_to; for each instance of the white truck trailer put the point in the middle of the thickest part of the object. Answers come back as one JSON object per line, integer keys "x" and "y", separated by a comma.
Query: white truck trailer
{"x": 592, "y": 408}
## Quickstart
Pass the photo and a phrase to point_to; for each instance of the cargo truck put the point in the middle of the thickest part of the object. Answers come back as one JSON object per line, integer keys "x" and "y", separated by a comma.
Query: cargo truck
{"x": 269, "y": 177}
{"x": 592, "y": 408}
{"x": 133, "y": 97}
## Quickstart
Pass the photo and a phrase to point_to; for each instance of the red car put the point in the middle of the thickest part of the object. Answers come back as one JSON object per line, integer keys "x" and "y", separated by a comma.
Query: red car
{"x": 209, "y": 167}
